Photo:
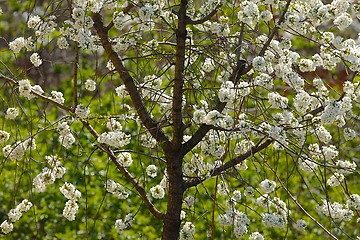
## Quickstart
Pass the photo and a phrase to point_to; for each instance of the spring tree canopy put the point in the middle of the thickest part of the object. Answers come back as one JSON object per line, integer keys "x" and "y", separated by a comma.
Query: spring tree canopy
{"x": 182, "y": 119}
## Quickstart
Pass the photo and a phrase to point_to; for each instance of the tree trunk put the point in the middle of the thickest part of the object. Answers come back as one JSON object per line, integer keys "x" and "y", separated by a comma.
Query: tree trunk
{"x": 171, "y": 228}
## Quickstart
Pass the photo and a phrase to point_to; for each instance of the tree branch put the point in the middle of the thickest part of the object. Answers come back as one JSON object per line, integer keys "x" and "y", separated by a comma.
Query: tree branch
{"x": 240, "y": 70}
{"x": 152, "y": 126}
{"x": 76, "y": 66}
{"x": 200, "y": 21}
{"x": 126, "y": 174}
{"x": 231, "y": 163}
{"x": 47, "y": 99}
{"x": 178, "y": 89}
{"x": 273, "y": 32}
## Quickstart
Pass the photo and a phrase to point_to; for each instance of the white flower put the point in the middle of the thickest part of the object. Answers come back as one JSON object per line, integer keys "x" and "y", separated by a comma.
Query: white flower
{"x": 11, "y": 113}
{"x": 249, "y": 191}
{"x": 256, "y": 236}
{"x": 212, "y": 118}
{"x": 264, "y": 80}
{"x": 35, "y": 59}
{"x": 57, "y": 97}
{"x": 125, "y": 159}
{"x": 349, "y": 134}
{"x": 62, "y": 43}
{"x": 331, "y": 111}
{"x": 110, "y": 66}
{"x": 115, "y": 139}
{"x": 121, "y": 91}
{"x": 70, "y": 209}
{"x": 67, "y": 140}
{"x": 277, "y": 101}
{"x": 157, "y": 192}
{"x": 34, "y": 22}
{"x": 17, "y": 44}
{"x": 14, "y": 215}
{"x": 208, "y": 65}
{"x": 25, "y": 89}
{"x": 81, "y": 111}
{"x": 24, "y": 206}
{"x": 354, "y": 201}
{"x": 307, "y": 65}
{"x": 90, "y": 85}
{"x": 116, "y": 189}
{"x": 335, "y": 179}
{"x": 120, "y": 225}
{"x": 302, "y": 101}
{"x": 188, "y": 231}
{"x": 37, "y": 89}
{"x": 243, "y": 89}
{"x": 259, "y": 64}
{"x": 4, "y": 136}
{"x": 345, "y": 167}
{"x": 226, "y": 92}
{"x": 300, "y": 225}
{"x": 267, "y": 186}
{"x": 273, "y": 220}
{"x": 336, "y": 211}
{"x": 113, "y": 125}
{"x": 151, "y": 171}
{"x": 123, "y": 224}
{"x": 265, "y": 15}
{"x": 70, "y": 192}
{"x": 237, "y": 195}
{"x": 343, "y": 21}
{"x": 6, "y": 227}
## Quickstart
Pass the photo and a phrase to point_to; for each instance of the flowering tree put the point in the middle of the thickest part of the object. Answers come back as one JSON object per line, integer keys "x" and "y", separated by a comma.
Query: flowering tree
{"x": 234, "y": 118}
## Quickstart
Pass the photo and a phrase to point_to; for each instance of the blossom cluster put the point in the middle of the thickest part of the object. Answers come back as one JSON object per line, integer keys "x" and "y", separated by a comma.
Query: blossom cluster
{"x": 66, "y": 138}
{"x": 187, "y": 232}
{"x": 14, "y": 215}
{"x": 71, "y": 206}
{"x": 337, "y": 211}
{"x": 49, "y": 174}
{"x": 120, "y": 224}
{"x": 116, "y": 137}
{"x": 16, "y": 151}
{"x": 116, "y": 189}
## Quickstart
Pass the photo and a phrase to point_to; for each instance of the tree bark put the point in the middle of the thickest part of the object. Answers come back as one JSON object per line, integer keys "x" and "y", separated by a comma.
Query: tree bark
{"x": 171, "y": 228}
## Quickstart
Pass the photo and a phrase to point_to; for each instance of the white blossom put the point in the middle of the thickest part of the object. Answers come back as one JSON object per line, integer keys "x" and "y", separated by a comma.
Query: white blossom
{"x": 34, "y": 22}
{"x": 17, "y": 44}
{"x": 259, "y": 64}
{"x": 267, "y": 186}
{"x": 151, "y": 171}
{"x": 277, "y": 101}
{"x": 336, "y": 211}
{"x": 4, "y": 136}
{"x": 70, "y": 210}
{"x": 187, "y": 231}
{"x": 57, "y": 97}
{"x": 256, "y": 236}
{"x": 70, "y": 192}
{"x": 300, "y": 225}
{"x": 335, "y": 180}
{"x": 6, "y": 227}
{"x": 90, "y": 85}
{"x": 81, "y": 111}
{"x": 349, "y": 134}
{"x": 157, "y": 192}
{"x": 116, "y": 189}
{"x": 11, "y": 113}
{"x": 125, "y": 159}
{"x": 35, "y": 59}
{"x": 273, "y": 220}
